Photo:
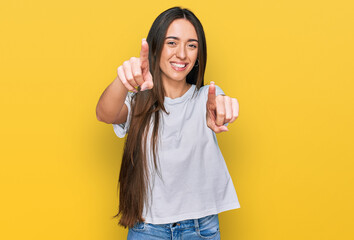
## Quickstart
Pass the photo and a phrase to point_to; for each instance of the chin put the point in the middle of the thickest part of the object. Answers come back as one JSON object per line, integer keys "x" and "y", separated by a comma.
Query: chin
{"x": 177, "y": 78}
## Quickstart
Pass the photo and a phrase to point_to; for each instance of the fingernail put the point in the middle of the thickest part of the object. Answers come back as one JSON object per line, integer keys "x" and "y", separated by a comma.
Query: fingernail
{"x": 143, "y": 40}
{"x": 143, "y": 89}
{"x": 212, "y": 82}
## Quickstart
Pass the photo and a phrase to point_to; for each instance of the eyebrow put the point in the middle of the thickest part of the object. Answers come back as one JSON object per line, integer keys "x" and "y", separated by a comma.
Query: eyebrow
{"x": 189, "y": 40}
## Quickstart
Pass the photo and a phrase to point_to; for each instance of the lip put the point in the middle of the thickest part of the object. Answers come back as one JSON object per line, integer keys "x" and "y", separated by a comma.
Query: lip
{"x": 179, "y": 68}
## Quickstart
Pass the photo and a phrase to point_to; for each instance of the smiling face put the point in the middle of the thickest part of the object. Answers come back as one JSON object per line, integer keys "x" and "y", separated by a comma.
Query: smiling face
{"x": 179, "y": 52}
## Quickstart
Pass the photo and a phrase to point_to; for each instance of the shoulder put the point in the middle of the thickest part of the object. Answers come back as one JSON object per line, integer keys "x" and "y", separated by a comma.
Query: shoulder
{"x": 129, "y": 98}
{"x": 130, "y": 95}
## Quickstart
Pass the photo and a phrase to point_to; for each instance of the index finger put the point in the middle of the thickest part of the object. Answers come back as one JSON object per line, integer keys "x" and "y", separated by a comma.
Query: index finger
{"x": 211, "y": 103}
{"x": 144, "y": 54}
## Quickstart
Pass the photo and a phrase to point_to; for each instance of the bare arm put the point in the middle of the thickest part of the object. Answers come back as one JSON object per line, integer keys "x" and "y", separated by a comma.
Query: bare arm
{"x": 110, "y": 107}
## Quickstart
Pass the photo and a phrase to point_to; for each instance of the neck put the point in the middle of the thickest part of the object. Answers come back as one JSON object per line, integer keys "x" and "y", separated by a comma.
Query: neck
{"x": 175, "y": 89}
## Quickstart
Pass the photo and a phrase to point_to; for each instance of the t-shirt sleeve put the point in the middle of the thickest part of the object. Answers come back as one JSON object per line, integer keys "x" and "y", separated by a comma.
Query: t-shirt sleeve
{"x": 121, "y": 129}
{"x": 218, "y": 91}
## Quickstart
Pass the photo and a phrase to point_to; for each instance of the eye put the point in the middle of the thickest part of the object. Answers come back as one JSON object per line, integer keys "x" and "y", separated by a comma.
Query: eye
{"x": 192, "y": 46}
{"x": 171, "y": 43}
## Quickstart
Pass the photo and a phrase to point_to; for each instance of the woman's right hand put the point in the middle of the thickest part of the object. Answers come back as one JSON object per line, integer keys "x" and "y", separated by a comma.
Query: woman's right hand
{"x": 135, "y": 71}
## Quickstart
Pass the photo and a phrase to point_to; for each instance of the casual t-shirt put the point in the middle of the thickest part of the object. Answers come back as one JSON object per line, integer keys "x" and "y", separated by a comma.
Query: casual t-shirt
{"x": 194, "y": 181}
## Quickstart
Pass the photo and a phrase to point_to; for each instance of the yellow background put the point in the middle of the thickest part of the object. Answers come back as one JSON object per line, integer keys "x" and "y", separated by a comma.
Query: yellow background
{"x": 290, "y": 154}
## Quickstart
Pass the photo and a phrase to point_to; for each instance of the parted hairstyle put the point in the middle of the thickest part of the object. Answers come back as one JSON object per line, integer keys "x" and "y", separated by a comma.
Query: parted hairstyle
{"x": 146, "y": 107}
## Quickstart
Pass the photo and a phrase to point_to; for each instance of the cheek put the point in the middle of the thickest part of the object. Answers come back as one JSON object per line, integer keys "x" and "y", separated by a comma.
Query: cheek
{"x": 194, "y": 60}
{"x": 195, "y": 55}
{"x": 165, "y": 56}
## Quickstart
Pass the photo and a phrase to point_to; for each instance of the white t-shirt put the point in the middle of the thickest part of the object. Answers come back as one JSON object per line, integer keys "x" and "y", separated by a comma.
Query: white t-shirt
{"x": 195, "y": 180}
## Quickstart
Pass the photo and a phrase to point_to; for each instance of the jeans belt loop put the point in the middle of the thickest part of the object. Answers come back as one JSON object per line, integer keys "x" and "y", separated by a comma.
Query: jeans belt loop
{"x": 196, "y": 224}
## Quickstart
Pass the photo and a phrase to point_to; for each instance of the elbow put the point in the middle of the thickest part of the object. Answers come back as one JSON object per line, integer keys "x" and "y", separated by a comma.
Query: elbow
{"x": 104, "y": 116}
{"x": 100, "y": 116}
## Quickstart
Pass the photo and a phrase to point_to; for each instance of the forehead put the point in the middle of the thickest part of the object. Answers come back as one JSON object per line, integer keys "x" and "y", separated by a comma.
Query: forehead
{"x": 182, "y": 28}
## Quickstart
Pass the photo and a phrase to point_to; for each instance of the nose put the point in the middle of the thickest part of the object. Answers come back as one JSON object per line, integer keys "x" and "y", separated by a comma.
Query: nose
{"x": 181, "y": 52}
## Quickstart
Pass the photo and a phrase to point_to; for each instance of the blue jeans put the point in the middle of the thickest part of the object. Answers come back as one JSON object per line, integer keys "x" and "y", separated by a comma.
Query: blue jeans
{"x": 194, "y": 229}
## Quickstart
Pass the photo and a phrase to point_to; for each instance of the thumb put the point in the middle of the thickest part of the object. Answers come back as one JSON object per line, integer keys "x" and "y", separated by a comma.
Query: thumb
{"x": 148, "y": 83}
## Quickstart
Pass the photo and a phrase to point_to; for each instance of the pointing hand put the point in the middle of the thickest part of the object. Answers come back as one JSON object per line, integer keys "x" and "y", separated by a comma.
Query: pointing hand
{"x": 220, "y": 110}
{"x": 135, "y": 71}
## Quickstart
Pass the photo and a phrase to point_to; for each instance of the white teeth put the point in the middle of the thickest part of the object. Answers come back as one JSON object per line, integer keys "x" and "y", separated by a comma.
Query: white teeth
{"x": 178, "y": 65}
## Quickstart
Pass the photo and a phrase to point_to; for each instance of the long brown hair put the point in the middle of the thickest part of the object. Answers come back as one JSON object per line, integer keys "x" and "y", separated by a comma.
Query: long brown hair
{"x": 146, "y": 106}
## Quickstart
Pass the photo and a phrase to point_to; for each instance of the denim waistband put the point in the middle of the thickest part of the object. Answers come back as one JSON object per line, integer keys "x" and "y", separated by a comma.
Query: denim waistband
{"x": 190, "y": 223}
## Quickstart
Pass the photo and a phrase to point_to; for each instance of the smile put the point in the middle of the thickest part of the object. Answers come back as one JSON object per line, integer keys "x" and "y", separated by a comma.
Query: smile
{"x": 179, "y": 66}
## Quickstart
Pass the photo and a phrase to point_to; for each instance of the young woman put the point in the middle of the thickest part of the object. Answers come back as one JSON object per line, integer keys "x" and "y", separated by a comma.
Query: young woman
{"x": 173, "y": 178}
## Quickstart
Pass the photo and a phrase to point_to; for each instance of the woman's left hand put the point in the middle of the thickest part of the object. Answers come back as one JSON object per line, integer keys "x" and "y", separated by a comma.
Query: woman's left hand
{"x": 220, "y": 110}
